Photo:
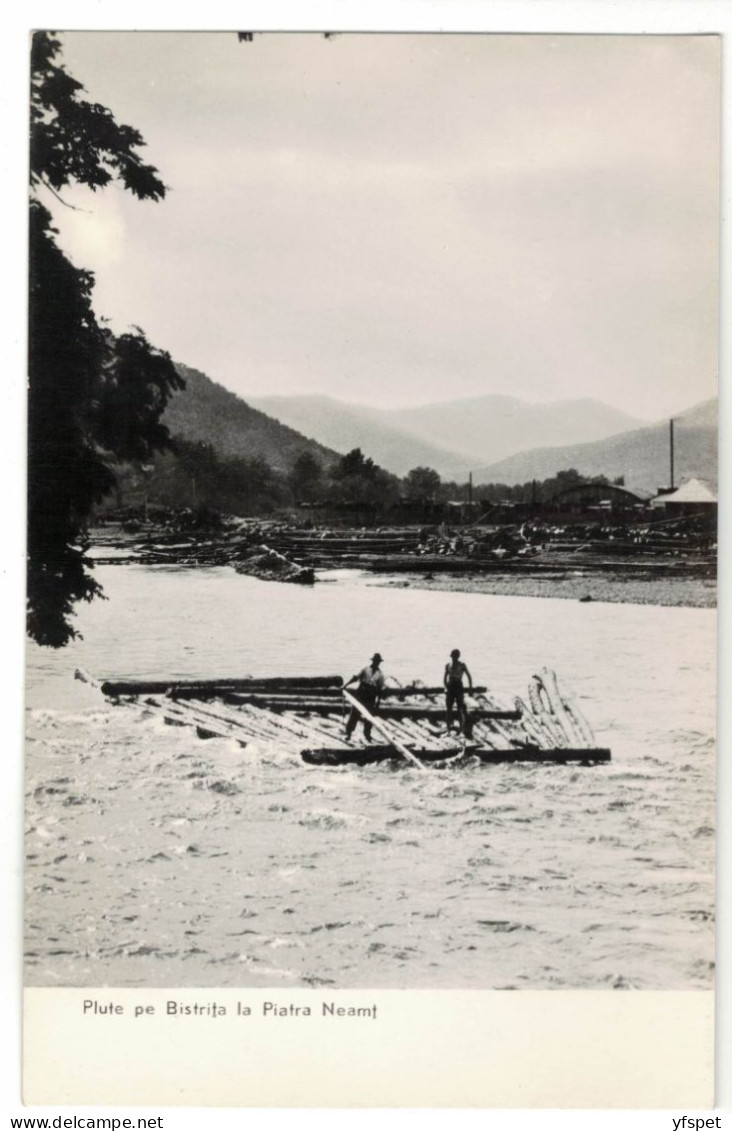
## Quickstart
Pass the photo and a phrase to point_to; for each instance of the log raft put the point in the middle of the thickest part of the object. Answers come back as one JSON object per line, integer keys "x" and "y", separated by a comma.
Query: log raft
{"x": 305, "y": 716}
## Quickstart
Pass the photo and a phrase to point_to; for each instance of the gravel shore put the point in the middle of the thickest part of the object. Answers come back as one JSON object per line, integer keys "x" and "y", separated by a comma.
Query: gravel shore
{"x": 699, "y": 593}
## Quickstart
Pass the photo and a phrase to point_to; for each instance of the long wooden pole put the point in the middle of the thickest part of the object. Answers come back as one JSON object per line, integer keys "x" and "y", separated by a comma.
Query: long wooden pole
{"x": 403, "y": 750}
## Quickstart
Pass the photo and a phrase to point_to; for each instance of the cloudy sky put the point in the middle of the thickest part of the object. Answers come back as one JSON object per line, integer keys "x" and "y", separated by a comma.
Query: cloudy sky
{"x": 397, "y": 219}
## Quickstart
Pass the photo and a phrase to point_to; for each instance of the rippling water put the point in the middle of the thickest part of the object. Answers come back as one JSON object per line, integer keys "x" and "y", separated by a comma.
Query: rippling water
{"x": 155, "y": 858}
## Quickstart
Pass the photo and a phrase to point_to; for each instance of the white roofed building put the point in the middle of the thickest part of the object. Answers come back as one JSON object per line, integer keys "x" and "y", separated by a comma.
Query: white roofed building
{"x": 692, "y": 497}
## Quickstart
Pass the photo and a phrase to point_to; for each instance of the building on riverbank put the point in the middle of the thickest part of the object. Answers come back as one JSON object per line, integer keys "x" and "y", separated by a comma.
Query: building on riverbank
{"x": 692, "y": 497}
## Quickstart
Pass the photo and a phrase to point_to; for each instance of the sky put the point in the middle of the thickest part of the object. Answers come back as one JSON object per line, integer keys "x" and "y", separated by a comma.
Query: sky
{"x": 403, "y": 219}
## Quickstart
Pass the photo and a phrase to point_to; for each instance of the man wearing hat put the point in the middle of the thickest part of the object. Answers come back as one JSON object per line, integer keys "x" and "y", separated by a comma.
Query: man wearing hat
{"x": 370, "y": 685}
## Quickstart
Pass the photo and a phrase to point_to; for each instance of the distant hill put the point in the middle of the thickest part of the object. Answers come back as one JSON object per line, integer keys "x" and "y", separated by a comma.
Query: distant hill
{"x": 704, "y": 415}
{"x": 346, "y": 426}
{"x": 642, "y": 456}
{"x": 450, "y": 437}
{"x": 208, "y": 413}
{"x": 492, "y": 427}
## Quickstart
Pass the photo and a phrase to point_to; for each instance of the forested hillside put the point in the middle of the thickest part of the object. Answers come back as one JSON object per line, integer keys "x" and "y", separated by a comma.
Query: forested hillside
{"x": 205, "y": 412}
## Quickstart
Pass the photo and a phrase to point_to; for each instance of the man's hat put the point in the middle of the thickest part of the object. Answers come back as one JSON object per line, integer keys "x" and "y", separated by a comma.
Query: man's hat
{"x": 377, "y": 657}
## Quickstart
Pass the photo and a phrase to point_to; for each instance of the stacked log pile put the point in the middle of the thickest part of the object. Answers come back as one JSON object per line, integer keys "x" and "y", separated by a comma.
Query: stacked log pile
{"x": 270, "y": 565}
{"x": 656, "y": 550}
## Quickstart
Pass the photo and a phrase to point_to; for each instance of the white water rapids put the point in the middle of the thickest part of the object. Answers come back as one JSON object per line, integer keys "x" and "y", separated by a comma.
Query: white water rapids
{"x": 156, "y": 858}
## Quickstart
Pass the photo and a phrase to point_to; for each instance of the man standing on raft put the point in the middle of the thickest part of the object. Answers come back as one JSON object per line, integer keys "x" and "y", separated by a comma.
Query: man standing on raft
{"x": 370, "y": 686}
{"x": 454, "y": 690}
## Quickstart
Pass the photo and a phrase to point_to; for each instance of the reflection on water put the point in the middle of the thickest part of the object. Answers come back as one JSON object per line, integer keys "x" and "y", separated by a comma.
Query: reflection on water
{"x": 155, "y": 857}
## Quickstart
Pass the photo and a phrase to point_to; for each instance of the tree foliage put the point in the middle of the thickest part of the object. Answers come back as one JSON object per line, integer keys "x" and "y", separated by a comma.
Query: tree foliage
{"x": 357, "y": 480}
{"x": 422, "y": 485}
{"x": 196, "y": 476}
{"x": 75, "y": 140}
{"x": 93, "y": 398}
{"x": 306, "y": 478}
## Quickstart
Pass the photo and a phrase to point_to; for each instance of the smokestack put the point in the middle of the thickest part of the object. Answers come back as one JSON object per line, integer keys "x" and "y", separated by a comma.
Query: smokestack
{"x": 671, "y": 449}
{"x": 470, "y": 488}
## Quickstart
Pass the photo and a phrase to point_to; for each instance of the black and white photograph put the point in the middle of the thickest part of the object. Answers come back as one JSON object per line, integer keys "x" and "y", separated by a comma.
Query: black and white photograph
{"x": 372, "y": 521}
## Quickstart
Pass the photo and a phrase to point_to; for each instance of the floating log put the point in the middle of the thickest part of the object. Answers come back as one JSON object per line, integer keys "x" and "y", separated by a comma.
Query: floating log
{"x": 364, "y": 756}
{"x": 419, "y": 689}
{"x": 327, "y": 705}
{"x": 439, "y": 714}
{"x": 217, "y": 687}
{"x": 587, "y": 756}
{"x": 323, "y": 704}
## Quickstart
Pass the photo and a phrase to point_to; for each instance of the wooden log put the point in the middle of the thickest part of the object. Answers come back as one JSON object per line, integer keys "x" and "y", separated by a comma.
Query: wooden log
{"x": 544, "y": 714}
{"x": 264, "y": 721}
{"x": 506, "y": 737}
{"x": 384, "y": 731}
{"x": 308, "y": 728}
{"x": 531, "y": 727}
{"x": 559, "y": 708}
{"x": 486, "y": 738}
{"x": 361, "y": 755}
{"x": 286, "y": 687}
{"x": 409, "y": 736}
{"x": 411, "y": 689}
{"x": 205, "y": 727}
{"x": 317, "y": 704}
{"x": 426, "y": 738}
{"x": 215, "y": 686}
{"x": 338, "y": 756}
{"x": 325, "y": 695}
{"x": 333, "y": 704}
{"x": 301, "y": 730}
{"x": 439, "y": 714}
{"x": 561, "y": 755}
{"x": 580, "y": 722}
{"x": 243, "y": 729}
{"x": 252, "y": 727}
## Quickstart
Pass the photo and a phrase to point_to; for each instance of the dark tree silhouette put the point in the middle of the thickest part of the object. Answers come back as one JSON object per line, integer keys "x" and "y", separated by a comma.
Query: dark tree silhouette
{"x": 306, "y": 477}
{"x": 93, "y": 398}
{"x": 357, "y": 480}
{"x": 422, "y": 485}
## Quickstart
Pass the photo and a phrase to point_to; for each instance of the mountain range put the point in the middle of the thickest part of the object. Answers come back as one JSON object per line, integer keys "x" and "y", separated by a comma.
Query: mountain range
{"x": 642, "y": 455}
{"x": 346, "y": 426}
{"x": 453, "y": 436}
{"x": 534, "y": 441}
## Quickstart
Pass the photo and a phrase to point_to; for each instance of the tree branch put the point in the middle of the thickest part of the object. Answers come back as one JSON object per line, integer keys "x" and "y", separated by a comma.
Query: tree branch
{"x": 73, "y": 207}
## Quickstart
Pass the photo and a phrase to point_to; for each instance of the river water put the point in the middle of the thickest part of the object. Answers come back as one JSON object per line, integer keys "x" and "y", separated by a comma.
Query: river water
{"x": 157, "y": 859}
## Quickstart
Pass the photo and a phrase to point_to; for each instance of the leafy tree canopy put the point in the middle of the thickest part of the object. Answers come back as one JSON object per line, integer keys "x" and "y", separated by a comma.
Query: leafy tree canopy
{"x": 76, "y": 140}
{"x": 93, "y": 398}
{"x": 306, "y": 476}
{"x": 356, "y": 479}
{"x": 422, "y": 485}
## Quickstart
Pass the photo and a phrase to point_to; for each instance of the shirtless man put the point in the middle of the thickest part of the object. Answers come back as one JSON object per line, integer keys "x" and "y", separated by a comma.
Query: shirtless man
{"x": 454, "y": 689}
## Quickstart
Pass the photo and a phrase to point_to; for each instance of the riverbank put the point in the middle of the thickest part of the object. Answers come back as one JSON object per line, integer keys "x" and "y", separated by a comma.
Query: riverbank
{"x": 689, "y": 592}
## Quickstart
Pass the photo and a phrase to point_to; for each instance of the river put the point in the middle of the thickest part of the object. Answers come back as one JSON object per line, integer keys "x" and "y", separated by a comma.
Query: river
{"x": 157, "y": 859}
